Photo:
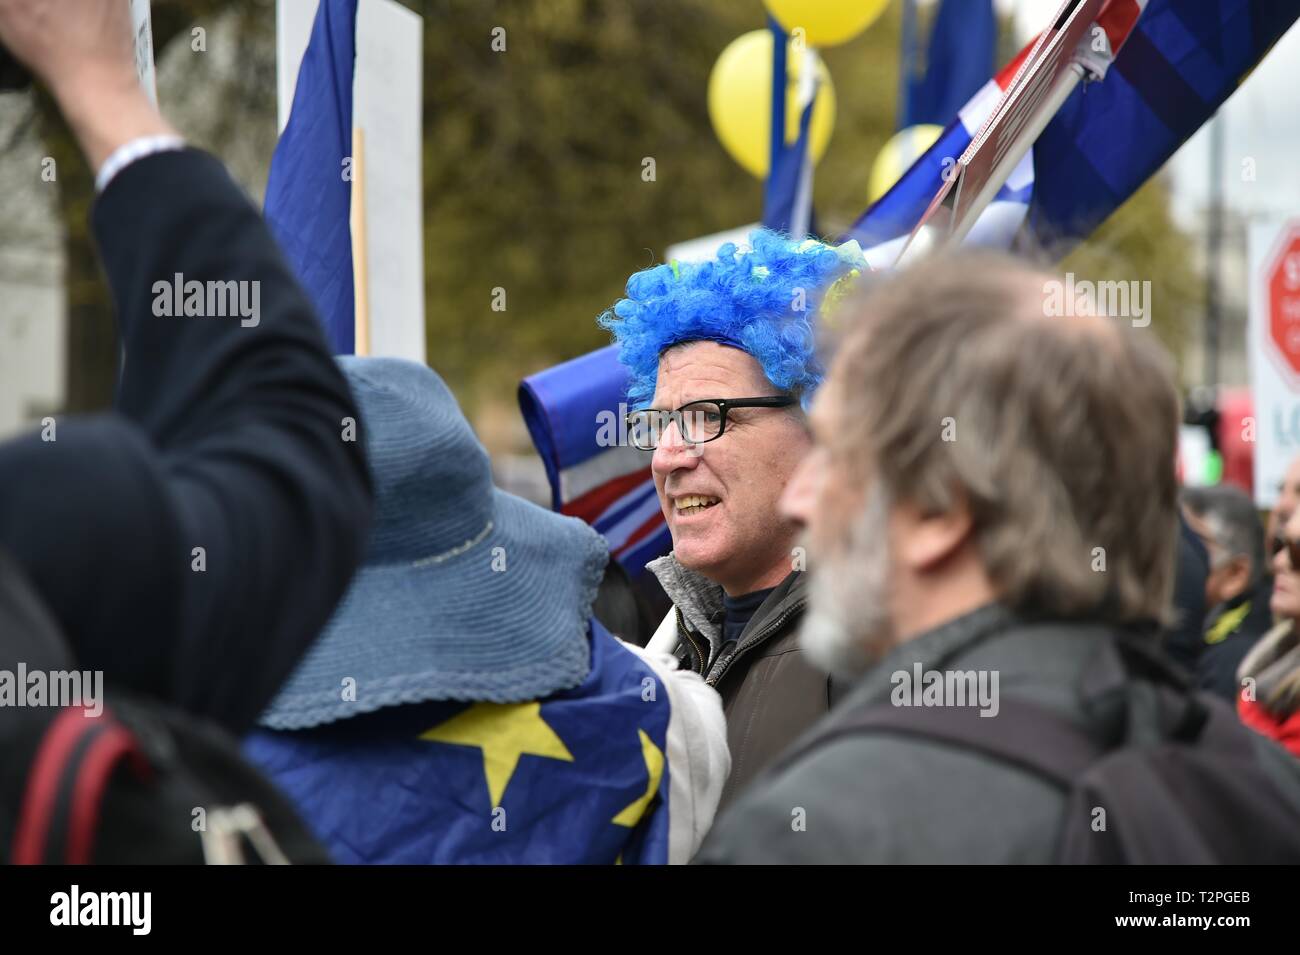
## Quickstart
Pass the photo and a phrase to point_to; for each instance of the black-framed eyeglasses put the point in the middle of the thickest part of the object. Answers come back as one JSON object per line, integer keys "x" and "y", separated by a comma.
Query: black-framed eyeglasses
{"x": 1292, "y": 548}
{"x": 697, "y": 421}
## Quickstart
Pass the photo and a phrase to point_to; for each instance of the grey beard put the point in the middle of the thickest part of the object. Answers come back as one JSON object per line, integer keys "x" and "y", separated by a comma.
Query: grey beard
{"x": 848, "y": 625}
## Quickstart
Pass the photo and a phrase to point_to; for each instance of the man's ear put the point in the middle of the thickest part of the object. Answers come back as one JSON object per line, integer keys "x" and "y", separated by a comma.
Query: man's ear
{"x": 924, "y": 541}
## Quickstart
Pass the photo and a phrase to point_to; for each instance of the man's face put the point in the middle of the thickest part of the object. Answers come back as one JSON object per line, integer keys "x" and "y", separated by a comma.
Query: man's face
{"x": 1229, "y": 574}
{"x": 849, "y": 623}
{"x": 720, "y": 497}
{"x": 1228, "y": 577}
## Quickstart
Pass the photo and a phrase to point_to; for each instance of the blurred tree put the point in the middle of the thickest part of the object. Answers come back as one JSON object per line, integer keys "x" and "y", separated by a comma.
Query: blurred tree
{"x": 534, "y": 159}
{"x": 1141, "y": 243}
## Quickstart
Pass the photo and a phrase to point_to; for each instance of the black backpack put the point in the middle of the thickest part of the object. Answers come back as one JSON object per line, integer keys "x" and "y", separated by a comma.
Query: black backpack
{"x": 137, "y": 782}
{"x": 1180, "y": 779}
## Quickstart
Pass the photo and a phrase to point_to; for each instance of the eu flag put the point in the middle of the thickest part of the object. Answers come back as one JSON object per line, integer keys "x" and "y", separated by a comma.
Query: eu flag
{"x": 578, "y": 777}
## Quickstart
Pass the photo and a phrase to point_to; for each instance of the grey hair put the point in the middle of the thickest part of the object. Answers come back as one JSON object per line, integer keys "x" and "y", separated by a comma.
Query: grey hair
{"x": 956, "y": 385}
{"x": 1231, "y": 517}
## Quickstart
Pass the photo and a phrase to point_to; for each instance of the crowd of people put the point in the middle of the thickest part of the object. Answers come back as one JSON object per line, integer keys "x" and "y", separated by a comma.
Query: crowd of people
{"x": 936, "y": 595}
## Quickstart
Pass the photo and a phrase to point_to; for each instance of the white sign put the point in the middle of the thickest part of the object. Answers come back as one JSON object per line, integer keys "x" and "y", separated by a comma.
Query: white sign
{"x": 143, "y": 29}
{"x": 387, "y": 106}
{"x": 387, "y": 103}
{"x": 1273, "y": 333}
{"x": 1193, "y": 453}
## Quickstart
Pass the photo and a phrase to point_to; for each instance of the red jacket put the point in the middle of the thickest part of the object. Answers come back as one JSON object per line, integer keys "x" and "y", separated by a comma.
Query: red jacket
{"x": 1286, "y": 730}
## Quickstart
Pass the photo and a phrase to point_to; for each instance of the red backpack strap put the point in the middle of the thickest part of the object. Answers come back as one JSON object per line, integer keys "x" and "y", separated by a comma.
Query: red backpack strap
{"x": 65, "y": 787}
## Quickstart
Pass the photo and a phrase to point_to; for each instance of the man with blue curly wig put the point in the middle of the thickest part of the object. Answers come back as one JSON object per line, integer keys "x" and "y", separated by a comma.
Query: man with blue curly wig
{"x": 722, "y": 361}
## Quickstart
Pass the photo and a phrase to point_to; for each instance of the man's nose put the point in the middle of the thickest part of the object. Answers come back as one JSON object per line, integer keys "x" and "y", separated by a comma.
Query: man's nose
{"x": 672, "y": 451}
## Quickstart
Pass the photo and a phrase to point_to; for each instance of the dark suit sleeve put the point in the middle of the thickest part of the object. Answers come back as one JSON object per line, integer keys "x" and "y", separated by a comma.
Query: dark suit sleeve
{"x": 193, "y": 542}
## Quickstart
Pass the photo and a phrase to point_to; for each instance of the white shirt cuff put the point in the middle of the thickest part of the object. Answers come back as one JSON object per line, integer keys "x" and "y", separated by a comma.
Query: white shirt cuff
{"x": 134, "y": 151}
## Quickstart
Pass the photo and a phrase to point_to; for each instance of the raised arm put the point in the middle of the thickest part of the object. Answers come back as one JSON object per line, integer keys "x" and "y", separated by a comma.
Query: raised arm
{"x": 193, "y": 542}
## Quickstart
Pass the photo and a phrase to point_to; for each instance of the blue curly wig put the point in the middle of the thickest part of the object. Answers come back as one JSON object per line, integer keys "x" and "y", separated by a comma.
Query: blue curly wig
{"x": 763, "y": 300}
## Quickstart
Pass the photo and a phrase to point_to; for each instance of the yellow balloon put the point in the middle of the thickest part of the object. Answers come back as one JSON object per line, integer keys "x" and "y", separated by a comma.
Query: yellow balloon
{"x": 903, "y": 149}
{"x": 826, "y": 22}
{"x": 740, "y": 101}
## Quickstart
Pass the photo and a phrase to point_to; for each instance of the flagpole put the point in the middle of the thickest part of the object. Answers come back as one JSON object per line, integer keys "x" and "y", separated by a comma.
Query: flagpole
{"x": 907, "y": 66}
{"x": 1055, "y": 99}
{"x": 776, "y": 128}
{"x": 360, "y": 261}
{"x": 801, "y": 214}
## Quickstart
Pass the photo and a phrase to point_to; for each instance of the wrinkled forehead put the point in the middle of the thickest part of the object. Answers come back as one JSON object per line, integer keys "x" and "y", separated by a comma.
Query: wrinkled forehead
{"x": 689, "y": 371}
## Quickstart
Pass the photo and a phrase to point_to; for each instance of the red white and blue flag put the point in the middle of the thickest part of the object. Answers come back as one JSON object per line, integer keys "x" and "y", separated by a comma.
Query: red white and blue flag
{"x": 885, "y": 228}
{"x": 574, "y": 413}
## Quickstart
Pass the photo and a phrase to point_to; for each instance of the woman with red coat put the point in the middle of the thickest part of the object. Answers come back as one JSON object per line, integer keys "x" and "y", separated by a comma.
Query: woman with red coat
{"x": 1269, "y": 676}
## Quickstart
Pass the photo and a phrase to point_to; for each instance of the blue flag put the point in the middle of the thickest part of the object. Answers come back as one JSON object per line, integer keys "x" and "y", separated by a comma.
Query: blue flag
{"x": 580, "y": 777}
{"x": 309, "y": 190}
{"x": 787, "y": 194}
{"x": 963, "y": 42}
{"x": 1181, "y": 61}
{"x": 1168, "y": 66}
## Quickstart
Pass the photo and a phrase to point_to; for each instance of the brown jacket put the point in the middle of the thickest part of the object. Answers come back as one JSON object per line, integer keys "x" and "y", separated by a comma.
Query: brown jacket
{"x": 770, "y": 693}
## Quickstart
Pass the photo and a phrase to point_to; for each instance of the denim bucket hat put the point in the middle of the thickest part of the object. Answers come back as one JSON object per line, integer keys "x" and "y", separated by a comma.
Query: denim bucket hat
{"x": 466, "y": 592}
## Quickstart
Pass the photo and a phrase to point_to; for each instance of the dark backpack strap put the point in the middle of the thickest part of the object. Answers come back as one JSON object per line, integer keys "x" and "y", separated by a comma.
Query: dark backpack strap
{"x": 1038, "y": 739}
{"x": 60, "y": 811}
{"x": 1023, "y": 734}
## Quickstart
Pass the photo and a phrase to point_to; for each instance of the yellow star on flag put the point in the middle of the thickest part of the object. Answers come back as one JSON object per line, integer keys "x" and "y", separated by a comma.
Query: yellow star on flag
{"x": 654, "y": 765}
{"x": 504, "y": 731}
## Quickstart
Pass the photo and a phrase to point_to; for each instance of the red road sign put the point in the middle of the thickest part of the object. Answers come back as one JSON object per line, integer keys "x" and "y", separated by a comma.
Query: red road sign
{"x": 1282, "y": 278}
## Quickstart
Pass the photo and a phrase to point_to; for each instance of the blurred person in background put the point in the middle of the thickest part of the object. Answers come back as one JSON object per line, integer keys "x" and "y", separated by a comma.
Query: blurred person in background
{"x": 1288, "y": 496}
{"x": 1269, "y": 676}
{"x": 1237, "y": 587}
{"x": 722, "y": 361}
